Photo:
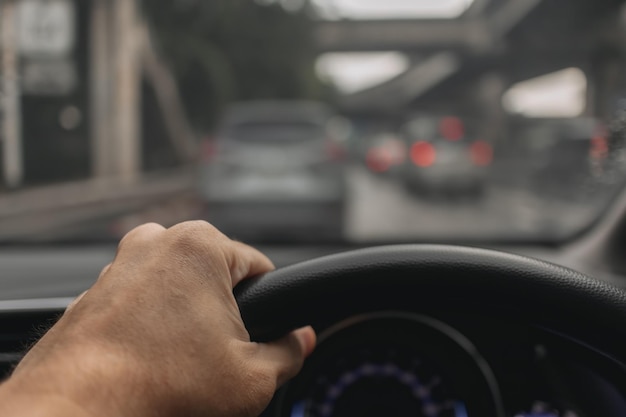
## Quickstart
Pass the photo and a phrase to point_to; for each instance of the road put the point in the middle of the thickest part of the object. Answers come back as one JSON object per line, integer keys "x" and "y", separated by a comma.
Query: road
{"x": 379, "y": 209}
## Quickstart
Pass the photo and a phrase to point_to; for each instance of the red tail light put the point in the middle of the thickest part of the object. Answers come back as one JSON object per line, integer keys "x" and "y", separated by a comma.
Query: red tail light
{"x": 481, "y": 153}
{"x": 599, "y": 147}
{"x": 378, "y": 160}
{"x": 423, "y": 154}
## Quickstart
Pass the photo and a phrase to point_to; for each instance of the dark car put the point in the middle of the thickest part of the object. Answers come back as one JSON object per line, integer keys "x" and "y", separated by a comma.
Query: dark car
{"x": 444, "y": 157}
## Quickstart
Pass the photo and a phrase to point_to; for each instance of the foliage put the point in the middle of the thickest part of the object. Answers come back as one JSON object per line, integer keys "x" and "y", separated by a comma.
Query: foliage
{"x": 227, "y": 50}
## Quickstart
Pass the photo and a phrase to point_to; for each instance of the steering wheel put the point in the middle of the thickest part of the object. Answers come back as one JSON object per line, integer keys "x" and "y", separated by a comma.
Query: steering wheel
{"x": 418, "y": 278}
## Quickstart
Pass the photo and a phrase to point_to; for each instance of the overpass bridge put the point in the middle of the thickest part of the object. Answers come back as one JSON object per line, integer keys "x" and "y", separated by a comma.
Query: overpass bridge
{"x": 509, "y": 40}
{"x": 478, "y": 30}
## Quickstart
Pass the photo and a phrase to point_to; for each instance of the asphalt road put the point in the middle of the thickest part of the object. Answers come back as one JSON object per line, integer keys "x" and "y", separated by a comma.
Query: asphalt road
{"x": 382, "y": 209}
{"x": 379, "y": 209}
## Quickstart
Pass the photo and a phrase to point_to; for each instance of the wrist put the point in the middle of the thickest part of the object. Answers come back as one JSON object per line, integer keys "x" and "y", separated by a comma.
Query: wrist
{"x": 15, "y": 401}
{"x": 87, "y": 381}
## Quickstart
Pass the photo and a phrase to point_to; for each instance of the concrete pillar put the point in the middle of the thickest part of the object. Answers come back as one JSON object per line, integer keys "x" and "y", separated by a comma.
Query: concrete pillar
{"x": 115, "y": 77}
{"x": 101, "y": 96}
{"x": 127, "y": 101}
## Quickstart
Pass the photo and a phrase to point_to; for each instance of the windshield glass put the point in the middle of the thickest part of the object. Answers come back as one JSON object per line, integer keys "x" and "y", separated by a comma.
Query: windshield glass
{"x": 311, "y": 120}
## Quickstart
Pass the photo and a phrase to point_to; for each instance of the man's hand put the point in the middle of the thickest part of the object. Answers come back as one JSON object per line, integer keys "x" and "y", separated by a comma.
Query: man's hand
{"x": 159, "y": 334}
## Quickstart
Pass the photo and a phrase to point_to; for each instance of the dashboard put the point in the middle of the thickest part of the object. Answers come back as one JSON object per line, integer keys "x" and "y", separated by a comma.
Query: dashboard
{"x": 406, "y": 364}
{"x": 437, "y": 365}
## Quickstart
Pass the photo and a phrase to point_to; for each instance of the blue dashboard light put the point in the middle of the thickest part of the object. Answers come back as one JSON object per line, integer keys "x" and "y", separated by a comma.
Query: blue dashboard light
{"x": 460, "y": 410}
{"x": 298, "y": 409}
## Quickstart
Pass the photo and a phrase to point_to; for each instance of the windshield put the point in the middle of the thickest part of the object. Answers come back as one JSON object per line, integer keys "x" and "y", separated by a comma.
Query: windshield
{"x": 311, "y": 120}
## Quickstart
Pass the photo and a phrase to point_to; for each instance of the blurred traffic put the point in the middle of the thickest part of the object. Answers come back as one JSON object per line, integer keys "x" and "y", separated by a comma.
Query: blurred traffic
{"x": 298, "y": 121}
{"x": 445, "y": 156}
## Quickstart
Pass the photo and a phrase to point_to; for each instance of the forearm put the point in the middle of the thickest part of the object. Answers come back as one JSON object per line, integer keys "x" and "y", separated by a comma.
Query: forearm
{"x": 81, "y": 383}
{"x": 14, "y": 402}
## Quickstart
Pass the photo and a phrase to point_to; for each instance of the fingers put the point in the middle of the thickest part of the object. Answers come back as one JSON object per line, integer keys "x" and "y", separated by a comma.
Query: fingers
{"x": 284, "y": 357}
{"x": 241, "y": 260}
{"x": 246, "y": 262}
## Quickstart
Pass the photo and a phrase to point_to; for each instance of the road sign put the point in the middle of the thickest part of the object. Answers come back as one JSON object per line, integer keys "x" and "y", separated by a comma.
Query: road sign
{"x": 46, "y": 27}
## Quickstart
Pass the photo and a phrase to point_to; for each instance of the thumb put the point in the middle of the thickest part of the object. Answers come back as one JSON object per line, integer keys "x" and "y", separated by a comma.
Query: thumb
{"x": 284, "y": 357}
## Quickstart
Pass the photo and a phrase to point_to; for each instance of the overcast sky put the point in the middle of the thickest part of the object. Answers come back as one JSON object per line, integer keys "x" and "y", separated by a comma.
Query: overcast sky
{"x": 352, "y": 72}
{"x": 392, "y": 9}
{"x": 561, "y": 94}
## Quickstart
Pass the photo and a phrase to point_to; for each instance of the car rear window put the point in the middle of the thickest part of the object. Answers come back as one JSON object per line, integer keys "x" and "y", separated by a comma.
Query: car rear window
{"x": 274, "y": 132}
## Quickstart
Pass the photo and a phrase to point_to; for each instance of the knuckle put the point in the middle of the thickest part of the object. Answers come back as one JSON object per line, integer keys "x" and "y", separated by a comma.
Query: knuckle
{"x": 194, "y": 226}
{"x": 139, "y": 233}
{"x": 194, "y": 237}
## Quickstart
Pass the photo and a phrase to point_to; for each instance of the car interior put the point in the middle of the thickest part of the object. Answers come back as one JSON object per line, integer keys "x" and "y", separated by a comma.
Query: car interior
{"x": 428, "y": 300}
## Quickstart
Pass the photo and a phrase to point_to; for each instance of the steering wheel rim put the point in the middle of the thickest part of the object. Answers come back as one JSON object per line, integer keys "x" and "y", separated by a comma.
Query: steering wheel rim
{"x": 422, "y": 277}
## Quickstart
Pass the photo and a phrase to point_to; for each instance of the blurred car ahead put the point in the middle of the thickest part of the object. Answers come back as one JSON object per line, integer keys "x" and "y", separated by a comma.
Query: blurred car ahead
{"x": 275, "y": 172}
{"x": 444, "y": 158}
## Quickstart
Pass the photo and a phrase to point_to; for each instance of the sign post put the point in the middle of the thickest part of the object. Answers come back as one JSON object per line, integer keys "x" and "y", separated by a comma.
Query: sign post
{"x": 12, "y": 159}
{"x": 46, "y": 38}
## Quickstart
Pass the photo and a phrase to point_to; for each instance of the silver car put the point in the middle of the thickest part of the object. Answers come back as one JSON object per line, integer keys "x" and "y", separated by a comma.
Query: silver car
{"x": 274, "y": 170}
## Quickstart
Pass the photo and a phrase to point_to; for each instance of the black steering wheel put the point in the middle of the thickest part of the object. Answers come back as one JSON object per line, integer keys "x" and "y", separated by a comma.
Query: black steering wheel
{"x": 417, "y": 278}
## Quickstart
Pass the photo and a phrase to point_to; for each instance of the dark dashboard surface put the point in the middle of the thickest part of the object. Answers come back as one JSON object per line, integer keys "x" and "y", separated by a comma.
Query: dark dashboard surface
{"x": 437, "y": 364}
{"x": 28, "y": 272}
{"x": 446, "y": 364}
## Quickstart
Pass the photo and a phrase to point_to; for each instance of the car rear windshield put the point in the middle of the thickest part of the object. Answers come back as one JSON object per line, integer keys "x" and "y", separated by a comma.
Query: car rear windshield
{"x": 274, "y": 132}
